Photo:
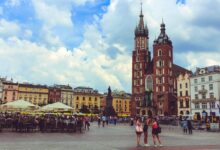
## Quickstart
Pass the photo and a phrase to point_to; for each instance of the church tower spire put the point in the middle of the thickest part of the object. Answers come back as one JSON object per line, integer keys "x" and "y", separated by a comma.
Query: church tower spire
{"x": 141, "y": 30}
{"x": 141, "y": 59}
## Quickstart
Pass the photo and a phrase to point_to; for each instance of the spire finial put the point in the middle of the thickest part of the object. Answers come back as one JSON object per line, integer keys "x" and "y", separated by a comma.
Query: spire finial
{"x": 141, "y": 14}
{"x": 141, "y": 7}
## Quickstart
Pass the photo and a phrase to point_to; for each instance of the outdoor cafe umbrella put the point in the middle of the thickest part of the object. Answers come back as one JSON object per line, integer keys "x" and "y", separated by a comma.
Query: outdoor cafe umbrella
{"x": 58, "y": 106}
{"x": 19, "y": 104}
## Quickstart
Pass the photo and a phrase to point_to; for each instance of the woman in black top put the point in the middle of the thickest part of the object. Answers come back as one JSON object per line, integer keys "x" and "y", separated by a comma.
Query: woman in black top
{"x": 145, "y": 129}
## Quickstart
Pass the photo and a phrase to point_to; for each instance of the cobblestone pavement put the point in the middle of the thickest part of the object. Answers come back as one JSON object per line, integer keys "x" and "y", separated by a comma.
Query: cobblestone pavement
{"x": 120, "y": 137}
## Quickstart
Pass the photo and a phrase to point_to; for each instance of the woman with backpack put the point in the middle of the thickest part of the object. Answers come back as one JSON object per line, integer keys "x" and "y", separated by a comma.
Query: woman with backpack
{"x": 155, "y": 132}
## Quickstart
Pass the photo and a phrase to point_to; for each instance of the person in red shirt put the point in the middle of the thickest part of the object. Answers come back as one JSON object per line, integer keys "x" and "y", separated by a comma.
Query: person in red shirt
{"x": 155, "y": 132}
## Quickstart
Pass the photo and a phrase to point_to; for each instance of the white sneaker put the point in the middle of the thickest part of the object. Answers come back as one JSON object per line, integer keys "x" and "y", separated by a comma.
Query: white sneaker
{"x": 155, "y": 145}
{"x": 146, "y": 145}
{"x": 161, "y": 145}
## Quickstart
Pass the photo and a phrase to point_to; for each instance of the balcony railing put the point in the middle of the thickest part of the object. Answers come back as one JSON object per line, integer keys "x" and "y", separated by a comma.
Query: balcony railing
{"x": 203, "y": 100}
{"x": 203, "y": 91}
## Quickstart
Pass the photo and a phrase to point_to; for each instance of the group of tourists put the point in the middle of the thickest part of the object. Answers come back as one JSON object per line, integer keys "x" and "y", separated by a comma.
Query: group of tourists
{"x": 144, "y": 127}
{"x": 105, "y": 120}
{"x": 187, "y": 126}
{"x": 45, "y": 123}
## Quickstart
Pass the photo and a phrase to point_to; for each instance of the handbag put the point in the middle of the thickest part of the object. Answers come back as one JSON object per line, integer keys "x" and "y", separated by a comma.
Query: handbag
{"x": 159, "y": 129}
{"x": 139, "y": 129}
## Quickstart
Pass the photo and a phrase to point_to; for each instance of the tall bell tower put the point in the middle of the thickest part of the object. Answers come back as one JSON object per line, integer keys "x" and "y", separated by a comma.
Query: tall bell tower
{"x": 163, "y": 80}
{"x": 140, "y": 60}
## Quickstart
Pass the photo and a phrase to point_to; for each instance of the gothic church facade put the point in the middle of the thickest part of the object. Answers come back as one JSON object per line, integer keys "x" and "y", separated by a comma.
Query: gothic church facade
{"x": 153, "y": 80}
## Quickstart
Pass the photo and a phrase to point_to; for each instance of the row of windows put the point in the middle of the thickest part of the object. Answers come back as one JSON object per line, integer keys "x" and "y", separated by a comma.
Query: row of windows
{"x": 203, "y": 87}
{"x": 202, "y": 79}
{"x": 161, "y": 63}
{"x": 138, "y": 82}
{"x": 9, "y": 92}
{"x": 162, "y": 89}
{"x": 67, "y": 96}
{"x": 138, "y": 66}
{"x": 138, "y": 90}
{"x": 205, "y": 105}
{"x": 181, "y": 93}
{"x": 83, "y": 98}
{"x": 186, "y": 85}
{"x": 140, "y": 44}
{"x": 160, "y": 53}
{"x": 186, "y": 104}
{"x": 138, "y": 74}
{"x": 211, "y": 95}
{"x": 120, "y": 101}
{"x": 89, "y": 106}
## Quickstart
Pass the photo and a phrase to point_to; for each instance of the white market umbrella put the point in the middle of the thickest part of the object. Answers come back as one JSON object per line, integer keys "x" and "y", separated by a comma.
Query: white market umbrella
{"x": 56, "y": 106}
{"x": 19, "y": 104}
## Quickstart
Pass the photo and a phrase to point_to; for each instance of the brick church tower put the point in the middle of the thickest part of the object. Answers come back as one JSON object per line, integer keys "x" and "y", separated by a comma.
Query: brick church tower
{"x": 163, "y": 80}
{"x": 141, "y": 58}
{"x": 153, "y": 80}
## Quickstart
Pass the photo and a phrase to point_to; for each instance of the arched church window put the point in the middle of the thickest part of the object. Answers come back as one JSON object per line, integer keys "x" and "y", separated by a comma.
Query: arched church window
{"x": 149, "y": 83}
{"x": 159, "y": 63}
{"x": 159, "y": 52}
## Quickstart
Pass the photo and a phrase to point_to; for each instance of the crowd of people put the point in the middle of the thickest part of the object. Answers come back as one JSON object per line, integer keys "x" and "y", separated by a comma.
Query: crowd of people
{"x": 105, "y": 120}
{"x": 44, "y": 123}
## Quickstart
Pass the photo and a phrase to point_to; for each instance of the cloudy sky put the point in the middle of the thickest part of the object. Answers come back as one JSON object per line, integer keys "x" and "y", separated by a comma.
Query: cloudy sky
{"x": 90, "y": 42}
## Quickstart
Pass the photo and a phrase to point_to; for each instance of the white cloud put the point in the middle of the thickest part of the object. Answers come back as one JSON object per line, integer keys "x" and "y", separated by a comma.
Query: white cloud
{"x": 82, "y": 2}
{"x": 30, "y": 62}
{"x": 8, "y": 28}
{"x": 52, "y": 15}
{"x": 89, "y": 64}
{"x": 199, "y": 59}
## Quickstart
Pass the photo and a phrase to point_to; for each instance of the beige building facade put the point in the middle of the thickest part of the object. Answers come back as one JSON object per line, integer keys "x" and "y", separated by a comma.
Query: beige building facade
{"x": 121, "y": 103}
{"x": 183, "y": 94}
{"x": 87, "y": 96}
{"x": 67, "y": 96}
{"x": 36, "y": 94}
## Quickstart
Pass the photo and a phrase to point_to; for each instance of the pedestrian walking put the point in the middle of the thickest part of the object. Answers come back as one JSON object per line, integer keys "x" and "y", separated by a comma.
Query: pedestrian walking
{"x": 185, "y": 126}
{"x": 115, "y": 120}
{"x": 107, "y": 119}
{"x": 139, "y": 130}
{"x": 131, "y": 121}
{"x": 87, "y": 124}
{"x": 155, "y": 132}
{"x": 99, "y": 121}
{"x": 145, "y": 129}
{"x": 103, "y": 121}
{"x": 189, "y": 125}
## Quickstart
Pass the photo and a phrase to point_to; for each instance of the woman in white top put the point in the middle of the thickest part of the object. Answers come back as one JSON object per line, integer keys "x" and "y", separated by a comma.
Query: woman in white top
{"x": 139, "y": 130}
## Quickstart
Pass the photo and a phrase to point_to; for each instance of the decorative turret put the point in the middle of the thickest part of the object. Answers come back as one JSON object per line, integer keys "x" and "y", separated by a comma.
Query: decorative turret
{"x": 162, "y": 38}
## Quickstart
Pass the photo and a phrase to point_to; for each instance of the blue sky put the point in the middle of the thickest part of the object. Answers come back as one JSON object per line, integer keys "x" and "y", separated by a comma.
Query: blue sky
{"x": 89, "y": 42}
